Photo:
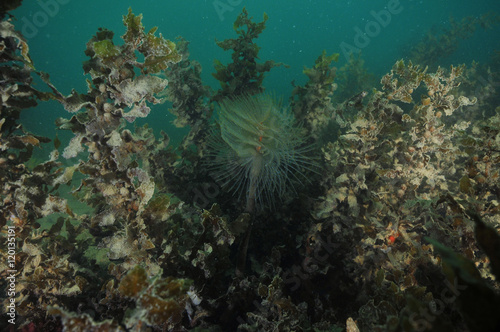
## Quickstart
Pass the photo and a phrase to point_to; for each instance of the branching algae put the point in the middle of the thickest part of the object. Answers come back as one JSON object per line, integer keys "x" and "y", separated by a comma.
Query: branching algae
{"x": 400, "y": 229}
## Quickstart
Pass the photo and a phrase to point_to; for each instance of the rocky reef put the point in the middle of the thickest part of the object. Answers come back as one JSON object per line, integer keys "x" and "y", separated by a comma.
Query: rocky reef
{"x": 387, "y": 216}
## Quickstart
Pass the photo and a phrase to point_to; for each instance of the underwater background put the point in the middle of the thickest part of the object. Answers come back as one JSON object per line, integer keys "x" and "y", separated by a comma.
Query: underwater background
{"x": 296, "y": 33}
{"x": 250, "y": 165}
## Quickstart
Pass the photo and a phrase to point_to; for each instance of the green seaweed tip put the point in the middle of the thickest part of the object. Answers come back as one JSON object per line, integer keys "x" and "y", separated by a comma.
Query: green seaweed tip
{"x": 324, "y": 61}
{"x": 321, "y": 70}
{"x": 134, "y": 26}
{"x": 105, "y": 49}
{"x": 158, "y": 52}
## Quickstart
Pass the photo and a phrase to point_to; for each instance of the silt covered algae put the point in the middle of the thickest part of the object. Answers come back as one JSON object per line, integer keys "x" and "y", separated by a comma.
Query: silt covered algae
{"x": 389, "y": 222}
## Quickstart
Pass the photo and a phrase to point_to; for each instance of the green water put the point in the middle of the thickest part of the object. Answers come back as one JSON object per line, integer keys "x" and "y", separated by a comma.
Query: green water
{"x": 297, "y": 32}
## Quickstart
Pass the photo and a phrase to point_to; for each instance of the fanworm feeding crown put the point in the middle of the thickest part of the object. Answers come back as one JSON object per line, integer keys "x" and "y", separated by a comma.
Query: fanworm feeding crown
{"x": 257, "y": 149}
